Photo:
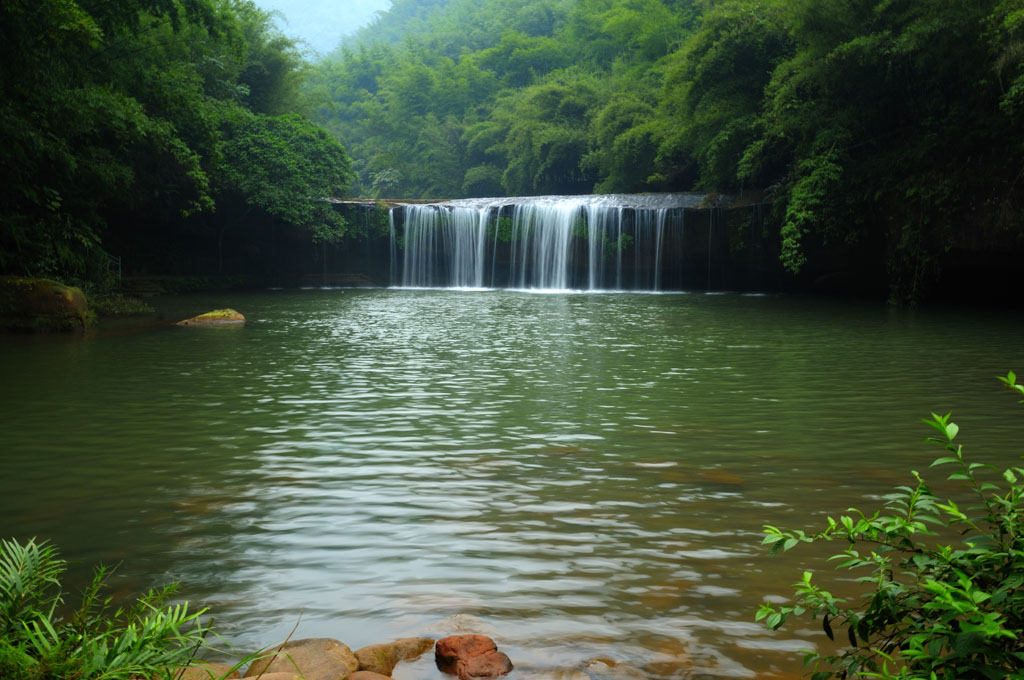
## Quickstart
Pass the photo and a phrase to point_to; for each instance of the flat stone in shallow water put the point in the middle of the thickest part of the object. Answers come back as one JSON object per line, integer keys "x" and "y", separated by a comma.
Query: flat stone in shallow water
{"x": 383, "y": 658}
{"x": 314, "y": 659}
{"x": 218, "y": 317}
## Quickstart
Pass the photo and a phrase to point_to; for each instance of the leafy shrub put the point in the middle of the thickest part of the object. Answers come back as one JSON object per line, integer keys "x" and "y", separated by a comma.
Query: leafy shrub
{"x": 934, "y": 610}
{"x": 149, "y": 639}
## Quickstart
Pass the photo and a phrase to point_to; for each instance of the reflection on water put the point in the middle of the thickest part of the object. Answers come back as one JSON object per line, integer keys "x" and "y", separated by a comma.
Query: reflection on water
{"x": 585, "y": 474}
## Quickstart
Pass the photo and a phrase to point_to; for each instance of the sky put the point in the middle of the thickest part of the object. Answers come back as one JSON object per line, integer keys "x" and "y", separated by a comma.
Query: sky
{"x": 322, "y": 23}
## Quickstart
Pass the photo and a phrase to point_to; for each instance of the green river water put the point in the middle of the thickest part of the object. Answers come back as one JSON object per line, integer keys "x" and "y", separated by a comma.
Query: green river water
{"x": 579, "y": 474}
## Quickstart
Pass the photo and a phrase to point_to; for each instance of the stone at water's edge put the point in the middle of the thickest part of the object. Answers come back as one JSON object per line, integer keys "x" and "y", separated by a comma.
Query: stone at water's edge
{"x": 313, "y": 659}
{"x": 471, "y": 657}
{"x": 207, "y": 671}
{"x": 382, "y": 659}
{"x": 367, "y": 675}
{"x": 41, "y": 305}
{"x": 217, "y": 317}
{"x": 455, "y": 647}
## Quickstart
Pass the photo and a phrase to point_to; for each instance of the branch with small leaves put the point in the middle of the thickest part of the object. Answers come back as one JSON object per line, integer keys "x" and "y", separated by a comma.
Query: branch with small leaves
{"x": 934, "y": 611}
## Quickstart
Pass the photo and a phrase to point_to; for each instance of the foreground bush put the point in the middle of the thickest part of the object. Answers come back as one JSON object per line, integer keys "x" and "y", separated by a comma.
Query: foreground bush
{"x": 149, "y": 639}
{"x": 934, "y": 610}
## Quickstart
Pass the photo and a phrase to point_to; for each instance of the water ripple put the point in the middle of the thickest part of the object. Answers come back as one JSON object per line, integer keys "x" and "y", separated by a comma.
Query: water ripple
{"x": 588, "y": 474}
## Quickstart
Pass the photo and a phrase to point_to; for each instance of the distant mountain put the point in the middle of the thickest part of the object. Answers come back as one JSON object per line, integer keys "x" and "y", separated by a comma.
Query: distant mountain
{"x": 404, "y": 18}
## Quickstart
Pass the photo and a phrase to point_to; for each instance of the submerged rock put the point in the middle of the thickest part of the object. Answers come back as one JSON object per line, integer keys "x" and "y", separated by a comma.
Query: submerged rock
{"x": 217, "y": 317}
{"x": 313, "y": 659}
{"x": 601, "y": 668}
{"x": 487, "y": 665}
{"x": 41, "y": 305}
{"x": 367, "y": 675}
{"x": 471, "y": 657}
{"x": 383, "y": 658}
{"x": 462, "y": 623}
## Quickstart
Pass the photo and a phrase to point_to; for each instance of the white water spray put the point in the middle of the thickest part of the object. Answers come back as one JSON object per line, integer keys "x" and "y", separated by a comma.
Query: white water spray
{"x": 608, "y": 242}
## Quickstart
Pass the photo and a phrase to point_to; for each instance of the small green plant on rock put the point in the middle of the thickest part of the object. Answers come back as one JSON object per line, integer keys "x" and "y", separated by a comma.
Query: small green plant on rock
{"x": 150, "y": 639}
{"x": 934, "y": 611}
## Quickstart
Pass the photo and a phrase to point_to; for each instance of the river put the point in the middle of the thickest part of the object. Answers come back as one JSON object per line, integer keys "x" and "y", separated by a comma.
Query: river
{"x": 580, "y": 474}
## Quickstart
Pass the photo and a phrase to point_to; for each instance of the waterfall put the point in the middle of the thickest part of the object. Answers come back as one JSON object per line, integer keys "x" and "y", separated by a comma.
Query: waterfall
{"x": 609, "y": 242}
{"x": 444, "y": 247}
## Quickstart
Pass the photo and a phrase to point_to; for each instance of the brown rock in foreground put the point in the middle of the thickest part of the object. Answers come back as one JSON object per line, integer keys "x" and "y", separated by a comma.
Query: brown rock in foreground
{"x": 455, "y": 647}
{"x": 382, "y": 659}
{"x": 313, "y": 659}
{"x": 275, "y": 676}
{"x": 471, "y": 657}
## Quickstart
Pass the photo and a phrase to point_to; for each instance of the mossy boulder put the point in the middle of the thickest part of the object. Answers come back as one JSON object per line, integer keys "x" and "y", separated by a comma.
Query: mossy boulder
{"x": 40, "y": 305}
{"x": 217, "y": 317}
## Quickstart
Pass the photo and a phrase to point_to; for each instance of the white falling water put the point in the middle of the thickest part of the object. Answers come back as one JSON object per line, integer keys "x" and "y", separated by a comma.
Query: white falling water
{"x": 444, "y": 247}
{"x": 609, "y": 242}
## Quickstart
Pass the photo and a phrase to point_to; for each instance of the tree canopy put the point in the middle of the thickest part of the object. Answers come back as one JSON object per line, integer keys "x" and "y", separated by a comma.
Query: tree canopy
{"x": 888, "y": 126}
{"x": 893, "y": 125}
{"x": 122, "y": 120}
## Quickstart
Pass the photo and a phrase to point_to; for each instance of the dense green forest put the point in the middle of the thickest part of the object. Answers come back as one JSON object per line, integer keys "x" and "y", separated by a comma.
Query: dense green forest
{"x": 151, "y": 128}
{"x": 155, "y": 126}
{"x": 888, "y": 125}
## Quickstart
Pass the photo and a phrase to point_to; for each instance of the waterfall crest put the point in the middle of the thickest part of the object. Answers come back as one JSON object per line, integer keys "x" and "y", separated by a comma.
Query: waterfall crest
{"x": 605, "y": 242}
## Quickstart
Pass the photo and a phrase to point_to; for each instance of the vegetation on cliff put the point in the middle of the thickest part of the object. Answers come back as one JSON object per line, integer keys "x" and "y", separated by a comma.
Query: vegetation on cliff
{"x": 891, "y": 127}
{"x": 157, "y": 129}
